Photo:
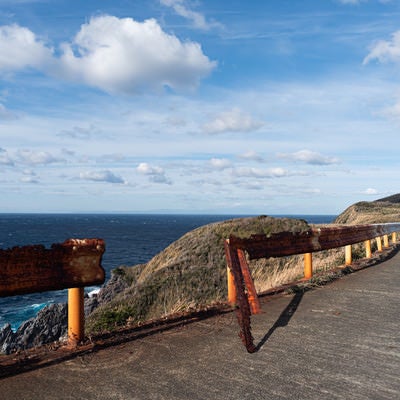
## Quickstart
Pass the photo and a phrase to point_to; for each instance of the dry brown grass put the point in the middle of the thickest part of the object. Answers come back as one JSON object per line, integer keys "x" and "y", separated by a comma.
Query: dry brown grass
{"x": 190, "y": 274}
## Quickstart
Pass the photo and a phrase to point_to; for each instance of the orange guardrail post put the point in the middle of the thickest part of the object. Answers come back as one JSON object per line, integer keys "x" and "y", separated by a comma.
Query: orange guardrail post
{"x": 379, "y": 243}
{"x": 394, "y": 237}
{"x": 348, "y": 256}
{"x": 368, "y": 252}
{"x": 76, "y": 316}
{"x": 385, "y": 241}
{"x": 308, "y": 271}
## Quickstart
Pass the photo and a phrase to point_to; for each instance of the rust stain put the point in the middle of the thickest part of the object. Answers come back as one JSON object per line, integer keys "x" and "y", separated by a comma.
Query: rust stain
{"x": 286, "y": 244}
{"x": 33, "y": 268}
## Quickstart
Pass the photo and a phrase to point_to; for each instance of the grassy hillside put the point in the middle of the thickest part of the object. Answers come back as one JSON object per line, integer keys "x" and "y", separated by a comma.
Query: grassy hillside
{"x": 188, "y": 274}
{"x": 378, "y": 211}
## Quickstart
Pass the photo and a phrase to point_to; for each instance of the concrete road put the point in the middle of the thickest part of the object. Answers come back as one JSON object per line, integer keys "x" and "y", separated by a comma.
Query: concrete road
{"x": 340, "y": 341}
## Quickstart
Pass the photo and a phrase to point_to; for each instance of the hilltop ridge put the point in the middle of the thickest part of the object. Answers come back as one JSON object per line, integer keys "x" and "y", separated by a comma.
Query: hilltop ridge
{"x": 382, "y": 210}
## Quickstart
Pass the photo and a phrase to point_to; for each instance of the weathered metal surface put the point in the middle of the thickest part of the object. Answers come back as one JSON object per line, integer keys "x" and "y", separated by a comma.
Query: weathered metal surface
{"x": 29, "y": 269}
{"x": 286, "y": 244}
{"x": 290, "y": 243}
{"x": 243, "y": 307}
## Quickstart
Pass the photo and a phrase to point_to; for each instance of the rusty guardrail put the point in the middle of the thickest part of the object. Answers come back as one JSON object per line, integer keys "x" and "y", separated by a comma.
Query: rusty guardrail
{"x": 241, "y": 290}
{"x": 71, "y": 265}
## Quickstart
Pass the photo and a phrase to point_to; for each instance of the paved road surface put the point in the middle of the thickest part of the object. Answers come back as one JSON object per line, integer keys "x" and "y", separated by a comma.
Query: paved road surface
{"x": 340, "y": 341}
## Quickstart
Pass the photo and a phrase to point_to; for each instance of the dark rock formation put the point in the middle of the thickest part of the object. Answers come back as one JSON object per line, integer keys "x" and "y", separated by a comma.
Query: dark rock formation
{"x": 48, "y": 326}
{"x": 114, "y": 286}
{"x": 51, "y": 322}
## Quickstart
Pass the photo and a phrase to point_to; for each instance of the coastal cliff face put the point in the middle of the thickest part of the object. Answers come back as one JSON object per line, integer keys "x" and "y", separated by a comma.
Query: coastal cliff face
{"x": 374, "y": 212}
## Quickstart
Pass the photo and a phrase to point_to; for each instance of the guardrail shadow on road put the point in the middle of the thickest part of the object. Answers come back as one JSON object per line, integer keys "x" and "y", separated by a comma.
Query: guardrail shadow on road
{"x": 283, "y": 319}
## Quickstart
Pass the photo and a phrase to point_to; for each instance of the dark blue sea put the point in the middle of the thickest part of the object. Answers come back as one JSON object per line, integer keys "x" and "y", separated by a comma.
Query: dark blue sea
{"x": 130, "y": 239}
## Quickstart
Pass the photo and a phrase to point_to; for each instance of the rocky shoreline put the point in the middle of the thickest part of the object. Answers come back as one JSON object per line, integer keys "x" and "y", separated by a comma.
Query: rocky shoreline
{"x": 51, "y": 323}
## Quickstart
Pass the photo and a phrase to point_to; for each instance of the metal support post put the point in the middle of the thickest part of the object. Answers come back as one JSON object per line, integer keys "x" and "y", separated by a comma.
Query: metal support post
{"x": 368, "y": 252}
{"x": 76, "y": 316}
{"x": 348, "y": 255}
{"x": 308, "y": 271}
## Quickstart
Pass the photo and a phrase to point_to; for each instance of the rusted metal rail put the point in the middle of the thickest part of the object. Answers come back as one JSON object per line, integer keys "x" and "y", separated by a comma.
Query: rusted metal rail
{"x": 72, "y": 265}
{"x": 286, "y": 244}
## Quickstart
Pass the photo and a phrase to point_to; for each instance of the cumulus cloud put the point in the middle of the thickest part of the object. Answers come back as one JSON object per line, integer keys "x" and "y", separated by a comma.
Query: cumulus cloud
{"x": 370, "y": 191}
{"x": 309, "y": 157}
{"x": 20, "y": 48}
{"x": 101, "y": 176}
{"x": 5, "y": 158}
{"x": 156, "y": 174}
{"x": 122, "y": 55}
{"x": 252, "y": 156}
{"x": 29, "y": 179}
{"x": 36, "y": 157}
{"x": 260, "y": 173}
{"x": 392, "y": 111}
{"x": 220, "y": 163}
{"x": 112, "y": 54}
{"x": 234, "y": 120}
{"x": 198, "y": 20}
{"x": 385, "y": 50}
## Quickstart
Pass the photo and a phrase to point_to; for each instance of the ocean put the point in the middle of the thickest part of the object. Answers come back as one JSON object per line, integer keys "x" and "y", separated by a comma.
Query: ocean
{"x": 130, "y": 239}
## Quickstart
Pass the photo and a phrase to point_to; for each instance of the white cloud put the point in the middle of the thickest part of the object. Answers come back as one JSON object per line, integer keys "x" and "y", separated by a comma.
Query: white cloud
{"x": 5, "y": 158}
{"x": 385, "y": 50}
{"x": 370, "y": 191}
{"x": 20, "y": 48}
{"x": 112, "y": 54}
{"x": 36, "y": 157}
{"x": 123, "y": 55}
{"x": 392, "y": 111}
{"x": 147, "y": 169}
{"x": 234, "y": 120}
{"x": 277, "y": 172}
{"x": 29, "y": 179}
{"x": 198, "y": 19}
{"x": 252, "y": 156}
{"x": 309, "y": 157}
{"x": 220, "y": 163}
{"x": 156, "y": 174}
{"x": 101, "y": 176}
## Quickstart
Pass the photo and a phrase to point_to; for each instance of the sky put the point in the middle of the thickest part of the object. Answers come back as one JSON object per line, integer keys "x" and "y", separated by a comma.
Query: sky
{"x": 198, "y": 106}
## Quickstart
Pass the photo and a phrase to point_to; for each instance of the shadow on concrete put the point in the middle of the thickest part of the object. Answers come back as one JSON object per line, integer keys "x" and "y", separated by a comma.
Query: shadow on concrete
{"x": 283, "y": 319}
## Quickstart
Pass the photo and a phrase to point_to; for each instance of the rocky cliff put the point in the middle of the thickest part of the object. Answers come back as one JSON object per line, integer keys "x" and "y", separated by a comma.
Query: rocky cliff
{"x": 48, "y": 326}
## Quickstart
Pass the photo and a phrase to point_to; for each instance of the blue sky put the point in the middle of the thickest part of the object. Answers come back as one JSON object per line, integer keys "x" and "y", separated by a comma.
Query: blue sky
{"x": 258, "y": 107}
